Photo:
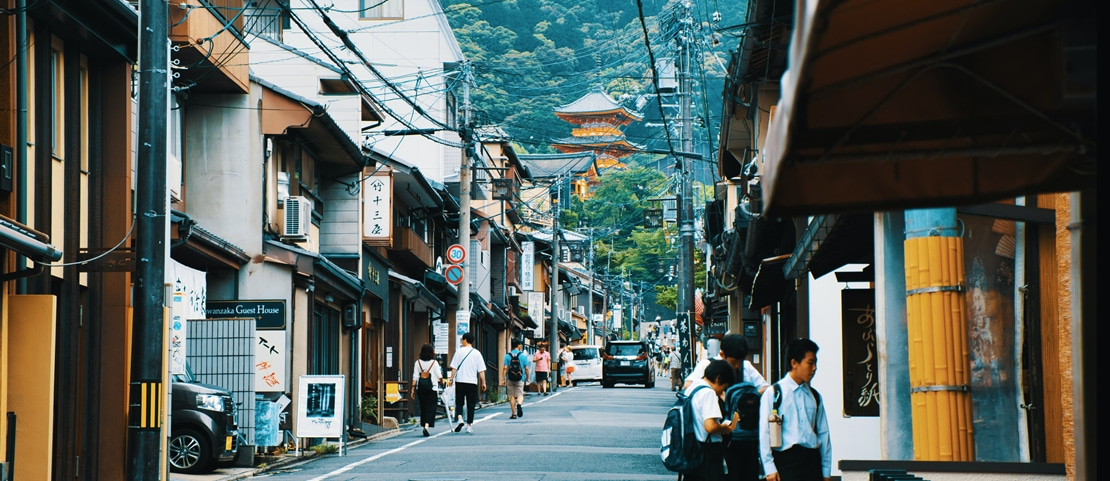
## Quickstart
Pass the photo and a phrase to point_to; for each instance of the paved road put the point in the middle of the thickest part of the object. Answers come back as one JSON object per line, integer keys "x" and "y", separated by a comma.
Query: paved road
{"x": 581, "y": 433}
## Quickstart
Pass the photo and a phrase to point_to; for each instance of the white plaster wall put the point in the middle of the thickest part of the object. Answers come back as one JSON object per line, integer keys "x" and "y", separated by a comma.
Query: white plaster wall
{"x": 223, "y": 167}
{"x": 411, "y": 55}
{"x": 855, "y": 438}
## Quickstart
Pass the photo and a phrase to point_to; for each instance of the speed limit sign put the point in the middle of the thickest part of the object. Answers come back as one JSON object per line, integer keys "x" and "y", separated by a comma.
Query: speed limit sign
{"x": 456, "y": 254}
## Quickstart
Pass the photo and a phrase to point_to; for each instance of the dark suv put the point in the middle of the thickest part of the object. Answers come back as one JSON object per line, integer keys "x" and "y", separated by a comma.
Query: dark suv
{"x": 627, "y": 362}
{"x": 204, "y": 432}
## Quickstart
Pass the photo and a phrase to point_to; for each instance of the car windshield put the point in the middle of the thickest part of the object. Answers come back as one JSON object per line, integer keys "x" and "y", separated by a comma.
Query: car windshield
{"x": 584, "y": 354}
{"x": 626, "y": 349}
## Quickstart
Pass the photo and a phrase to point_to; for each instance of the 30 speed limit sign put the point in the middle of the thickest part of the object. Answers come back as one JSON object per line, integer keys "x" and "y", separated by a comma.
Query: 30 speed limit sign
{"x": 456, "y": 254}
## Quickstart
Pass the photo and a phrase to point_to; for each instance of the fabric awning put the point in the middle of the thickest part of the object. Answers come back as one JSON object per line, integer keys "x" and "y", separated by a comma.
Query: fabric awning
{"x": 769, "y": 283}
{"x": 830, "y": 241}
{"x": 890, "y": 105}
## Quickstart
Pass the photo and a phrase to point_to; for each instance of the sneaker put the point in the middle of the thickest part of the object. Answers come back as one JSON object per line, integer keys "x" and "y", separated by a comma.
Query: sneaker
{"x": 519, "y": 411}
{"x": 469, "y": 430}
{"x": 459, "y": 427}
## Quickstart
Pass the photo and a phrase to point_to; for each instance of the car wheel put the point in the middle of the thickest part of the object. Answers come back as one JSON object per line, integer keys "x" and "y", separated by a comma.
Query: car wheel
{"x": 650, "y": 384}
{"x": 189, "y": 452}
{"x": 606, "y": 384}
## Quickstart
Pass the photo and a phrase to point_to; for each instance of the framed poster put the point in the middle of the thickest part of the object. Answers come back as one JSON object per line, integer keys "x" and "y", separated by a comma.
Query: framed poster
{"x": 320, "y": 406}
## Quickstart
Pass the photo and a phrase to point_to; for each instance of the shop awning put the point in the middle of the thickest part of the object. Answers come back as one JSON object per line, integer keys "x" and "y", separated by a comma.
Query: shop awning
{"x": 769, "y": 283}
{"x": 415, "y": 291}
{"x": 890, "y": 105}
{"x": 830, "y": 241}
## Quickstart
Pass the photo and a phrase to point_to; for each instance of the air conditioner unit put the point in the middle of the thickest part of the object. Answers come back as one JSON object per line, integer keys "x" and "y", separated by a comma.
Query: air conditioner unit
{"x": 298, "y": 217}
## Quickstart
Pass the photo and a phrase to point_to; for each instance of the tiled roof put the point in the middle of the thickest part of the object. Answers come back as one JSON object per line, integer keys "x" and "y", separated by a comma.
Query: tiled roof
{"x": 594, "y": 101}
{"x": 546, "y": 166}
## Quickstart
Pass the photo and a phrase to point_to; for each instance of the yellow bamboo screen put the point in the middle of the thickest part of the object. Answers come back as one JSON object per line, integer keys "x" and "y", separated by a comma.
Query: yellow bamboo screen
{"x": 939, "y": 364}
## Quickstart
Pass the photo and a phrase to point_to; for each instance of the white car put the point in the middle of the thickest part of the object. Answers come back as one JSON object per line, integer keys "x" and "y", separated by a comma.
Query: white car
{"x": 587, "y": 364}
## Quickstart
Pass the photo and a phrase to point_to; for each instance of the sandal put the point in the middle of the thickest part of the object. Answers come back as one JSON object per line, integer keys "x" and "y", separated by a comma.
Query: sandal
{"x": 513, "y": 416}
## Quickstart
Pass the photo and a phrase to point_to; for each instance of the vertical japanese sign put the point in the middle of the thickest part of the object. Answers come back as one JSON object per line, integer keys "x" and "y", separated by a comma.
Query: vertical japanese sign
{"x": 535, "y": 309}
{"x": 462, "y": 326}
{"x": 177, "y": 334}
{"x": 861, "y": 358}
{"x": 269, "y": 361}
{"x": 377, "y": 209}
{"x": 527, "y": 266}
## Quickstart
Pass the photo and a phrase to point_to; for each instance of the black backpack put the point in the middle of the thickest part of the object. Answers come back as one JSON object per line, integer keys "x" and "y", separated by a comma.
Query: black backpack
{"x": 743, "y": 398}
{"x": 680, "y": 449}
{"x": 515, "y": 372}
{"x": 425, "y": 380}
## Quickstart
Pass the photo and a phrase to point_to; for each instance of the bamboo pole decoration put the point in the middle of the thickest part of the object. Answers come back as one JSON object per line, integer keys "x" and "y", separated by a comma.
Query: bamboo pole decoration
{"x": 937, "y": 330}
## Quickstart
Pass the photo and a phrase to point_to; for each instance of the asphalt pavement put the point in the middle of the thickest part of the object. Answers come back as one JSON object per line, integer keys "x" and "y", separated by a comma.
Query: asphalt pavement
{"x": 579, "y": 433}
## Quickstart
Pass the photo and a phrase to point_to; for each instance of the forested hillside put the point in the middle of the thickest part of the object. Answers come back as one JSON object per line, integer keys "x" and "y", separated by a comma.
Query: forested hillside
{"x": 531, "y": 56}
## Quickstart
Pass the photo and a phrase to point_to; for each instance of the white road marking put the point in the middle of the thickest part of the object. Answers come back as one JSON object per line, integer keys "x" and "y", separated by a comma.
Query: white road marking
{"x": 358, "y": 463}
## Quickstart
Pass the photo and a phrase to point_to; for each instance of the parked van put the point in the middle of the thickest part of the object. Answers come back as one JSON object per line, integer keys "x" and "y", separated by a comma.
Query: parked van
{"x": 204, "y": 434}
{"x": 587, "y": 364}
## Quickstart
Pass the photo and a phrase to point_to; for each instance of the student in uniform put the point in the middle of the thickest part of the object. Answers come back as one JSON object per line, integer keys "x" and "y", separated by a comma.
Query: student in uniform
{"x": 708, "y": 423}
{"x": 806, "y": 451}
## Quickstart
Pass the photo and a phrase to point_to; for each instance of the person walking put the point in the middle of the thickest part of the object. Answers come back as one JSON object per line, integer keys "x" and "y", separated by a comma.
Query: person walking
{"x": 513, "y": 374}
{"x": 709, "y": 423}
{"x": 675, "y": 364}
{"x": 469, "y": 369}
{"x": 565, "y": 371}
{"x": 543, "y": 368}
{"x": 805, "y": 453}
{"x": 742, "y": 450}
{"x": 426, "y": 374}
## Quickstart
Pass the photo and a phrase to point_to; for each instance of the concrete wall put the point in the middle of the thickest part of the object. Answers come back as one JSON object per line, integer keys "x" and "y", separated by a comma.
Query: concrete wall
{"x": 223, "y": 167}
{"x": 852, "y": 437}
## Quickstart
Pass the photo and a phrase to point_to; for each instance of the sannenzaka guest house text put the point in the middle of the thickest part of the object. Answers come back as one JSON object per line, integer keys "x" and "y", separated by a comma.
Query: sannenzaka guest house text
{"x": 269, "y": 314}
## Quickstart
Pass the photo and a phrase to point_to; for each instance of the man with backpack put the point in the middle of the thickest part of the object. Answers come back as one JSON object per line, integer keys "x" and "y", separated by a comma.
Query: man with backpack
{"x": 742, "y": 398}
{"x": 512, "y": 377}
{"x": 693, "y": 435}
{"x": 794, "y": 442}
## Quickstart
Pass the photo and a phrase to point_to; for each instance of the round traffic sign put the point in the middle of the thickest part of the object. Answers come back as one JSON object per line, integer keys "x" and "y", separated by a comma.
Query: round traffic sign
{"x": 454, "y": 274}
{"x": 456, "y": 254}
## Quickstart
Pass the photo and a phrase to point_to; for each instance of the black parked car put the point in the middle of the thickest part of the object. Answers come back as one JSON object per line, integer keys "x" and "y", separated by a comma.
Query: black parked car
{"x": 627, "y": 362}
{"x": 204, "y": 432}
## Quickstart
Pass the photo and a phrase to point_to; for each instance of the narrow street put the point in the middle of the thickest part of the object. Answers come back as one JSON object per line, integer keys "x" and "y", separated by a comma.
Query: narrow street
{"x": 581, "y": 433}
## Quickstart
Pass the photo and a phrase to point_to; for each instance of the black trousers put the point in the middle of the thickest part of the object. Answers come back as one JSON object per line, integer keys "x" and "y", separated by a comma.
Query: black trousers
{"x": 712, "y": 464}
{"x": 469, "y": 393}
{"x": 428, "y": 403}
{"x": 798, "y": 464}
{"x": 742, "y": 458}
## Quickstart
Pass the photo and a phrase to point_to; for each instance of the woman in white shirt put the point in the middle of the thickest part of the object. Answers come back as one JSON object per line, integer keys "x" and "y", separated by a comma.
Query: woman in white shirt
{"x": 426, "y": 374}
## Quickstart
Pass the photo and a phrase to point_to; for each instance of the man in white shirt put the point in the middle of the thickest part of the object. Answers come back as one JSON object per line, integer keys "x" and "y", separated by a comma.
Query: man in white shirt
{"x": 469, "y": 370}
{"x": 709, "y": 425}
{"x": 734, "y": 349}
{"x": 806, "y": 451}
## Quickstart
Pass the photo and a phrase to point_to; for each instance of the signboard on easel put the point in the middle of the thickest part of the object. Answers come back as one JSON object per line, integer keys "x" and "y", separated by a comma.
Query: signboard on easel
{"x": 320, "y": 406}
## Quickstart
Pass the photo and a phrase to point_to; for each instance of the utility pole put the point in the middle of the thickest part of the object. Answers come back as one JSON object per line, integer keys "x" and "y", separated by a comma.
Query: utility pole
{"x": 144, "y": 424}
{"x": 685, "y": 299}
{"x": 590, "y": 293}
{"x": 464, "y": 202}
{"x": 553, "y": 329}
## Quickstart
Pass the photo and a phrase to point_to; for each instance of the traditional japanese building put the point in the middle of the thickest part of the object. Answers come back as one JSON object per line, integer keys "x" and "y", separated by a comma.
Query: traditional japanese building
{"x": 598, "y": 120}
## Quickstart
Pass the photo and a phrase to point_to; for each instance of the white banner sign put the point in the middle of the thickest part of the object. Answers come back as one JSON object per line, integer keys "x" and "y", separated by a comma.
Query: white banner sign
{"x": 462, "y": 326}
{"x": 269, "y": 361}
{"x": 443, "y": 335}
{"x": 177, "y": 334}
{"x": 535, "y": 308}
{"x": 527, "y": 266}
{"x": 377, "y": 199}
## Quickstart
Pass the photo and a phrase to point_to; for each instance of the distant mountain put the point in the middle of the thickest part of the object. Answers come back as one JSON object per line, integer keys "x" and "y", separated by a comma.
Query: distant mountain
{"x": 531, "y": 56}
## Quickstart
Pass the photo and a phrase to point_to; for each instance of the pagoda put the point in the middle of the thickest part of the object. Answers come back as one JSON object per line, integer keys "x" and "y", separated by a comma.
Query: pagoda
{"x": 598, "y": 120}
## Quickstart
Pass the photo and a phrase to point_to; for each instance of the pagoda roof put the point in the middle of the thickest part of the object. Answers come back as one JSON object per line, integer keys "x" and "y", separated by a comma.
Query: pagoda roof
{"x": 546, "y": 166}
{"x": 595, "y": 102}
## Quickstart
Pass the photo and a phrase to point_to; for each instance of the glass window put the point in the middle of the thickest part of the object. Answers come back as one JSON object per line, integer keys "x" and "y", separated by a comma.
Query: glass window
{"x": 584, "y": 354}
{"x": 381, "y": 9}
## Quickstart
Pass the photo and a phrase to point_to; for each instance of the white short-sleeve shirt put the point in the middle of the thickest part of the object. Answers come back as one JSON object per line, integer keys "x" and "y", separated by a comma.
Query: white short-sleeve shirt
{"x": 706, "y": 406}
{"x": 467, "y": 363}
